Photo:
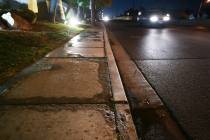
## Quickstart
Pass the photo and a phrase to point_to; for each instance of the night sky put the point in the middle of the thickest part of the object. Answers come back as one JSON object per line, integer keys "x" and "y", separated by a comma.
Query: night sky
{"x": 118, "y": 6}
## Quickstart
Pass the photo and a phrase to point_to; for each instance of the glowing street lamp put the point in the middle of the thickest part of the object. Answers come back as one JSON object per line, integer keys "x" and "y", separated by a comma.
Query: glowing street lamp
{"x": 73, "y": 21}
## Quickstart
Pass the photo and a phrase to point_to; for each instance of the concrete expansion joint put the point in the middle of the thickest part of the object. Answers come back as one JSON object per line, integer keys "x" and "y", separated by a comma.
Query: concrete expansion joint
{"x": 124, "y": 120}
{"x": 73, "y": 92}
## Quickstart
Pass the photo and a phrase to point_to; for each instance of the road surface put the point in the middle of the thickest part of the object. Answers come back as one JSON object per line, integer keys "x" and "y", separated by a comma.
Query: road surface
{"x": 176, "y": 62}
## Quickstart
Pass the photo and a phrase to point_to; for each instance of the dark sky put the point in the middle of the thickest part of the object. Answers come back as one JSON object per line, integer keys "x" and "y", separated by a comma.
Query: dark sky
{"x": 118, "y": 6}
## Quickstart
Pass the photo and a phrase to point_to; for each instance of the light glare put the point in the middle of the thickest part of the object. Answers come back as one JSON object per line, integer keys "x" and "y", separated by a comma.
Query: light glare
{"x": 166, "y": 18}
{"x": 8, "y": 18}
{"x": 106, "y": 18}
{"x": 154, "y": 19}
{"x": 74, "y": 21}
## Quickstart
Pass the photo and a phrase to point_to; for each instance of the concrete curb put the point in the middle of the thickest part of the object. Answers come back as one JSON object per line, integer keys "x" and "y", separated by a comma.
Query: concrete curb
{"x": 117, "y": 86}
{"x": 124, "y": 120}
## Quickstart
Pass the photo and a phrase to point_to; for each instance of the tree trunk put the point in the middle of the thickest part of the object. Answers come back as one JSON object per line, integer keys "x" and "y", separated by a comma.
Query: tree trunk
{"x": 32, "y": 5}
{"x": 199, "y": 10}
{"x": 53, "y": 7}
{"x": 48, "y": 5}
{"x": 93, "y": 11}
{"x": 67, "y": 11}
{"x": 61, "y": 10}
{"x": 78, "y": 11}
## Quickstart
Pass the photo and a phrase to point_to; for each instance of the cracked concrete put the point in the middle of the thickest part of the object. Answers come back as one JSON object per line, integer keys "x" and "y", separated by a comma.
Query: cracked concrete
{"x": 87, "y": 122}
{"x": 67, "y": 80}
{"x": 67, "y": 95}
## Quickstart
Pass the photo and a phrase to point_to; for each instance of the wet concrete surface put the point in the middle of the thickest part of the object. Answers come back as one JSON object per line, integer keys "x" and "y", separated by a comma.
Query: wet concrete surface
{"x": 86, "y": 44}
{"x": 66, "y": 95}
{"x": 61, "y": 97}
{"x": 175, "y": 61}
{"x": 65, "y": 81}
{"x": 78, "y": 52}
{"x": 52, "y": 122}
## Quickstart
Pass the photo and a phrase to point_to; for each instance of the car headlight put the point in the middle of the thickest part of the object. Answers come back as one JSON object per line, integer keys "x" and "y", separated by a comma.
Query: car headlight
{"x": 106, "y": 18}
{"x": 154, "y": 19}
{"x": 166, "y": 18}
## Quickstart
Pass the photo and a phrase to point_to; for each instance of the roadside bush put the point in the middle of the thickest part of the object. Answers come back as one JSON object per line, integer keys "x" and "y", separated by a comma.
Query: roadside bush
{"x": 26, "y": 14}
{"x": 18, "y": 9}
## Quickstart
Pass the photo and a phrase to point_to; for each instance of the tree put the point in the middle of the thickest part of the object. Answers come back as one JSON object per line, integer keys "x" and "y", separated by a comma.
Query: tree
{"x": 48, "y": 5}
{"x": 71, "y": 3}
{"x": 32, "y": 5}
{"x": 61, "y": 10}
{"x": 103, "y": 3}
{"x": 93, "y": 11}
{"x": 57, "y": 5}
{"x": 53, "y": 6}
{"x": 52, "y": 10}
{"x": 98, "y": 4}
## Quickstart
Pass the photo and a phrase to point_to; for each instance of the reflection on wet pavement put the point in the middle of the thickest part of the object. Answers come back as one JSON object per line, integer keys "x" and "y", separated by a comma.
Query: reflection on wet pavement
{"x": 86, "y": 44}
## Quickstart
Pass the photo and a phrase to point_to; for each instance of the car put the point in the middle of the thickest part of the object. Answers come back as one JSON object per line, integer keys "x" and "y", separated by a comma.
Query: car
{"x": 154, "y": 17}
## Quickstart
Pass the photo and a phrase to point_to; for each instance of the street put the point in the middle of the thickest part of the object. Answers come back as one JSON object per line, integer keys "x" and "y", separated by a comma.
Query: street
{"x": 175, "y": 61}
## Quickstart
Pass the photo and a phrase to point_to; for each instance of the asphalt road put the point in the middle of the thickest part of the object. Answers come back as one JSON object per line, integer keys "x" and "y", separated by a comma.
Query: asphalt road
{"x": 176, "y": 62}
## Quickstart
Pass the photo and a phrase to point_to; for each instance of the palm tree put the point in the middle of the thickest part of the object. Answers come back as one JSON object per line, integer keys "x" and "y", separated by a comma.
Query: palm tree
{"x": 61, "y": 10}
{"x": 53, "y": 5}
{"x": 32, "y": 5}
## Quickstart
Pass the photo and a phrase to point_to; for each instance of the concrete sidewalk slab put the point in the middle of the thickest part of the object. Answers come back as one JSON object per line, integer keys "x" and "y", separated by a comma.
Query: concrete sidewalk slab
{"x": 88, "y": 38}
{"x": 69, "y": 122}
{"x": 77, "y": 52}
{"x": 66, "y": 81}
{"x": 74, "y": 93}
{"x": 91, "y": 37}
{"x": 86, "y": 44}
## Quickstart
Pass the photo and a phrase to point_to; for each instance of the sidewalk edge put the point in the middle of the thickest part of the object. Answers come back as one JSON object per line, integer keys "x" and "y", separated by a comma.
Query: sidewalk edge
{"x": 124, "y": 120}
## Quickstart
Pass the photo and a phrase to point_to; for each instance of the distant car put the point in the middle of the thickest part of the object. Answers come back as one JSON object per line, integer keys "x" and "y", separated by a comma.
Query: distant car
{"x": 154, "y": 17}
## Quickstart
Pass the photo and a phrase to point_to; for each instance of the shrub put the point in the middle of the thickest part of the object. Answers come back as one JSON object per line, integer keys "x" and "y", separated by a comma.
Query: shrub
{"x": 28, "y": 15}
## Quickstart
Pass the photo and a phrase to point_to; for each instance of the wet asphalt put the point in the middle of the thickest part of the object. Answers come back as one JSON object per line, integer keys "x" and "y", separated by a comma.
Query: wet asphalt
{"x": 176, "y": 62}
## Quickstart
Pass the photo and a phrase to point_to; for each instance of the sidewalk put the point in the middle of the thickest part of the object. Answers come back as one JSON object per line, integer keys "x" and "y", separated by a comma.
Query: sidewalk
{"x": 74, "y": 93}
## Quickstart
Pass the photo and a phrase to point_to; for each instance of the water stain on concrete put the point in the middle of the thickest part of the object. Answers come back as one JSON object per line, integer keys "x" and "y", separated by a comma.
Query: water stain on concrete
{"x": 67, "y": 81}
{"x": 57, "y": 122}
